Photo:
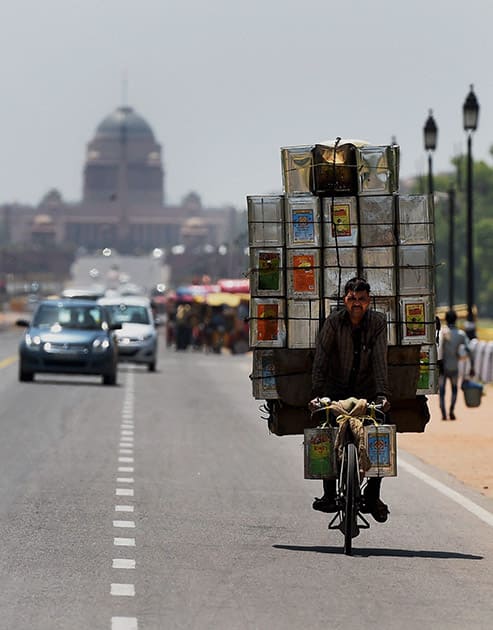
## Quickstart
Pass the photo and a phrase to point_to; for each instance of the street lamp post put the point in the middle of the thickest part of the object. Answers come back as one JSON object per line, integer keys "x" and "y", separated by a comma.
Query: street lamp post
{"x": 451, "y": 252}
{"x": 470, "y": 111}
{"x": 430, "y": 133}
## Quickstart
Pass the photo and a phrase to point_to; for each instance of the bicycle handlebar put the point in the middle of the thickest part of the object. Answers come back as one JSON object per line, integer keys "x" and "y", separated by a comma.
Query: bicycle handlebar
{"x": 325, "y": 402}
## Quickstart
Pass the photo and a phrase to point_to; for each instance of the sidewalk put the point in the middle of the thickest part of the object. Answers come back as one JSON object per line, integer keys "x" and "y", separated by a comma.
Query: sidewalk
{"x": 464, "y": 447}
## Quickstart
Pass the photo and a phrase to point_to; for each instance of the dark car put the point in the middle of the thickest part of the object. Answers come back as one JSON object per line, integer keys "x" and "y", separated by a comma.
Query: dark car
{"x": 69, "y": 337}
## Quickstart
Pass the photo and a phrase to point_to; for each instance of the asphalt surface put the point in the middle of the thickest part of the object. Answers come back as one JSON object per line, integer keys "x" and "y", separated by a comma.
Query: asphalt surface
{"x": 222, "y": 534}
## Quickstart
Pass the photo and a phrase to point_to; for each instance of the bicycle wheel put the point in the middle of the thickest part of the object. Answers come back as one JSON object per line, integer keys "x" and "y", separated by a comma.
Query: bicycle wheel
{"x": 350, "y": 478}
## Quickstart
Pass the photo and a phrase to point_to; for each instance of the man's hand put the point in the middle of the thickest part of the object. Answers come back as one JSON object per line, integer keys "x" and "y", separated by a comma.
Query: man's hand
{"x": 382, "y": 401}
{"x": 318, "y": 403}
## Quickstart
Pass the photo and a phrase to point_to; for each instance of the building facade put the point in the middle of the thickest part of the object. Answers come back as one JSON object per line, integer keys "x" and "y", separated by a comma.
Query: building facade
{"x": 123, "y": 204}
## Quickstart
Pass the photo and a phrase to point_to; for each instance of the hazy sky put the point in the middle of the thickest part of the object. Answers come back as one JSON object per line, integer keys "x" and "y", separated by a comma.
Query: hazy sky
{"x": 224, "y": 84}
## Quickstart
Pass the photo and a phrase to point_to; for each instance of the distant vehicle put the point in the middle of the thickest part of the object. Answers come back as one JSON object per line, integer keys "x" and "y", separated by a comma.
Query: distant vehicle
{"x": 137, "y": 338}
{"x": 89, "y": 293}
{"x": 69, "y": 337}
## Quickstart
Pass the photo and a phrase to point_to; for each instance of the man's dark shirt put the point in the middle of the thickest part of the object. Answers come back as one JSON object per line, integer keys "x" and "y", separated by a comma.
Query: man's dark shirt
{"x": 351, "y": 362}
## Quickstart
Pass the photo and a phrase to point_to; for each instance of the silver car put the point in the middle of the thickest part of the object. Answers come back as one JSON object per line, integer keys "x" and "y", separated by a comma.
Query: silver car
{"x": 137, "y": 339}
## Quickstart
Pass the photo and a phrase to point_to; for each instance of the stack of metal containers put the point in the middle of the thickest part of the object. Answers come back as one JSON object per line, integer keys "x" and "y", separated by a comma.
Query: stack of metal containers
{"x": 340, "y": 216}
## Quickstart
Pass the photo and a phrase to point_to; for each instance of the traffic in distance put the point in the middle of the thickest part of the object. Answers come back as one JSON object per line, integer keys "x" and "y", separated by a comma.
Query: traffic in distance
{"x": 83, "y": 333}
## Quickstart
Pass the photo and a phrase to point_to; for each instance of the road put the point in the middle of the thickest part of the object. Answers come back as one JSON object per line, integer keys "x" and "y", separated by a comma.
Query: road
{"x": 144, "y": 271}
{"x": 164, "y": 503}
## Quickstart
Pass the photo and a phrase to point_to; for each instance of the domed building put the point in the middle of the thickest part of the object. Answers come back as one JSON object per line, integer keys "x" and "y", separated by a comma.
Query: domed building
{"x": 123, "y": 201}
{"x": 124, "y": 153}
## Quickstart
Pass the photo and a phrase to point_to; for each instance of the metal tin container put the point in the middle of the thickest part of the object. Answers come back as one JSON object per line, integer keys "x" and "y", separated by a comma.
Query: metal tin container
{"x": 416, "y": 269}
{"x": 265, "y": 220}
{"x": 428, "y": 370}
{"x": 319, "y": 453}
{"x": 341, "y": 257}
{"x": 303, "y": 221}
{"x": 303, "y": 273}
{"x": 303, "y": 323}
{"x": 416, "y": 219}
{"x": 335, "y": 279}
{"x": 340, "y": 221}
{"x": 386, "y": 305}
{"x": 417, "y": 318}
{"x": 267, "y": 325}
{"x": 332, "y": 305}
{"x": 381, "y": 446}
{"x": 297, "y": 170}
{"x": 378, "y": 169}
{"x": 334, "y": 169}
{"x": 377, "y": 221}
{"x": 263, "y": 376}
{"x": 379, "y": 270}
{"x": 267, "y": 271}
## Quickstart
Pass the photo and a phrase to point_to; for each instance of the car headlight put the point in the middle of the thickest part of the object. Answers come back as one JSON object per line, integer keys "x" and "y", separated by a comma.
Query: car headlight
{"x": 33, "y": 343}
{"x": 146, "y": 337}
{"x": 100, "y": 345}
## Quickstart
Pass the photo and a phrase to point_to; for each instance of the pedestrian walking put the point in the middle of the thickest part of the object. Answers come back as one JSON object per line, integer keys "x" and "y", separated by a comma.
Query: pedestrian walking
{"x": 453, "y": 347}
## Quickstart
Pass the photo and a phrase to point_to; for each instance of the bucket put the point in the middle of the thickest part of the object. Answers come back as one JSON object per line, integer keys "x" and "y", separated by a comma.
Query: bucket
{"x": 472, "y": 393}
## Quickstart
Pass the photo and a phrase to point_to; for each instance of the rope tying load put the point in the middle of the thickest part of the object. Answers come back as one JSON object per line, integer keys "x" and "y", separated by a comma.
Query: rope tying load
{"x": 350, "y": 416}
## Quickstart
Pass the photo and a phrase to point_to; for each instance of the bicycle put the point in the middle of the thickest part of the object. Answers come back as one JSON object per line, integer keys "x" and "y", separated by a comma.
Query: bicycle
{"x": 349, "y": 493}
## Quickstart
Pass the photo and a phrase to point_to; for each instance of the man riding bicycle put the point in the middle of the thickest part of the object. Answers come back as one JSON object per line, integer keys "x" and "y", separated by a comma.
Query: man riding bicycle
{"x": 351, "y": 361}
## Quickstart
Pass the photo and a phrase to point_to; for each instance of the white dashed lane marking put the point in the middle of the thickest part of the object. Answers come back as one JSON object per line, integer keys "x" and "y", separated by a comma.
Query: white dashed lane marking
{"x": 123, "y": 563}
{"x": 124, "y": 623}
{"x": 124, "y": 542}
{"x": 130, "y": 524}
{"x": 124, "y": 492}
{"x": 125, "y": 456}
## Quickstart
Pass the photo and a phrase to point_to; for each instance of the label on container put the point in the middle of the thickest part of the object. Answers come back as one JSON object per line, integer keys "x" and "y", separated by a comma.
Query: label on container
{"x": 415, "y": 320}
{"x": 303, "y": 225}
{"x": 267, "y": 322}
{"x": 304, "y": 273}
{"x": 268, "y": 271}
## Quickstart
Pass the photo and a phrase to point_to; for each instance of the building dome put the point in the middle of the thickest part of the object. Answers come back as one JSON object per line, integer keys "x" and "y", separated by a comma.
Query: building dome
{"x": 124, "y": 119}
{"x": 123, "y": 162}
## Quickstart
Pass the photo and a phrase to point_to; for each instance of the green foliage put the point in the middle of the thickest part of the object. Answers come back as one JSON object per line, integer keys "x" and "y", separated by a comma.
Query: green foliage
{"x": 482, "y": 236}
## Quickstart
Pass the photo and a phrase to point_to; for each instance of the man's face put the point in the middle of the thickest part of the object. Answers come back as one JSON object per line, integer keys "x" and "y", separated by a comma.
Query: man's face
{"x": 357, "y": 303}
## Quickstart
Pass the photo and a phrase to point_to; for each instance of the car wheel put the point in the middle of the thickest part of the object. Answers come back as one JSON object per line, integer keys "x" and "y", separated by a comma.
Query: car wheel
{"x": 25, "y": 376}
{"x": 109, "y": 379}
{"x": 151, "y": 367}
{"x": 240, "y": 347}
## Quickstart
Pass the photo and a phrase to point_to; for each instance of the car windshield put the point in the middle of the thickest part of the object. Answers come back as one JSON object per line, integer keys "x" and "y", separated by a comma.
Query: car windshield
{"x": 129, "y": 314}
{"x": 68, "y": 316}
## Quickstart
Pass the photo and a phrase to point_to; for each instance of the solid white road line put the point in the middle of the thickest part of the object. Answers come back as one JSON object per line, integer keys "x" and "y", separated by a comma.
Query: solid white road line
{"x": 123, "y": 590}
{"x": 463, "y": 501}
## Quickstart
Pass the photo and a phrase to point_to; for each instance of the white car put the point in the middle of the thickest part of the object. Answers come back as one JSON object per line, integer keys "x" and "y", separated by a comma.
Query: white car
{"x": 137, "y": 339}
